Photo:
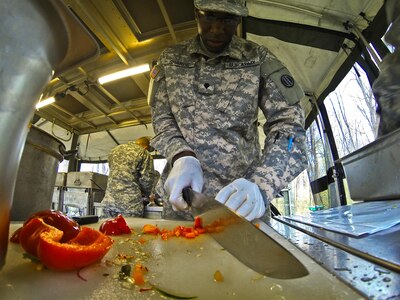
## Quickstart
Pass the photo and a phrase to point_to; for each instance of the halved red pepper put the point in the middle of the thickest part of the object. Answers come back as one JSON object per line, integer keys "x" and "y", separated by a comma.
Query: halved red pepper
{"x": 54, "y": 218}
{"x": 116, "y": 226}
{"x": 88, "y": 247}
{"x": 29, "y": 235}
{"x": 44, "y": 241}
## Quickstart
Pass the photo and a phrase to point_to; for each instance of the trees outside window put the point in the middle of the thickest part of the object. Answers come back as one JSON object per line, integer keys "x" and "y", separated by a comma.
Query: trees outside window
{"x": 352, "y": 115}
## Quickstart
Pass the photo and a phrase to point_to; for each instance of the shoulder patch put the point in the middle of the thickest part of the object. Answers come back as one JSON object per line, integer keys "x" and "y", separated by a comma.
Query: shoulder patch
{"x": 287, "y": 80}
{"x": 154, "y": 71}
{"x": 284, "y": 81}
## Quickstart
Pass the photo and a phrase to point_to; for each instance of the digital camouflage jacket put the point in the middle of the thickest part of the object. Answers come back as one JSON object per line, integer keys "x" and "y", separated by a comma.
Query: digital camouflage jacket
{"x": 211, "y": 106}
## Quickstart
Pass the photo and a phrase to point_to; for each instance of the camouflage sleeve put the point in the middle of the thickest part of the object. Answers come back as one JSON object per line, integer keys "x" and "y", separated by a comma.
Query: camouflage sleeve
{"x": 168, "y": 140}
{"x": 147, "y": 175}
{"x": 284, "y": 155}
{"x": 386, "y": 87}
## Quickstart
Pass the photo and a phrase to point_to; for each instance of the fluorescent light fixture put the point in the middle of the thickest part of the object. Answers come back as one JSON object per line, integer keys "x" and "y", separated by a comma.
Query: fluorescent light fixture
{"x": 124, "y": 73}
{"x": 45, "y": 102}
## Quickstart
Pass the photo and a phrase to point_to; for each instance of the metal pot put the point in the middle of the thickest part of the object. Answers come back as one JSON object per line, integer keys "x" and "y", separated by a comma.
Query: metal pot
{"x": 37, "y": 174}
{"x": 36, "y": 38}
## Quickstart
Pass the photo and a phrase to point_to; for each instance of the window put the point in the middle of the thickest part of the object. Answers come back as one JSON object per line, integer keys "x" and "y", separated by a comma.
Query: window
{"x": 352, "y": 116}
{"x": 352, "y": 112}
{"x": 101, "y": 168}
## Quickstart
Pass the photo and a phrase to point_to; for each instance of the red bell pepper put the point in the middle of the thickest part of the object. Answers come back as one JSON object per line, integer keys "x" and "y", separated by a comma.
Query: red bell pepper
{"x": 88, "y": 247}
{"x": 54, "y": 218}
{"x": 44, "y": 242}
{"x": 116, "y": 226}
{"x": 29, "y": 235}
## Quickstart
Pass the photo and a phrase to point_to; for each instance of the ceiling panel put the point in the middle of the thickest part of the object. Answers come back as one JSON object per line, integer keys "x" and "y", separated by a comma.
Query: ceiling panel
{"x": 128, "y": 33}
{"x": 134, "y": 32}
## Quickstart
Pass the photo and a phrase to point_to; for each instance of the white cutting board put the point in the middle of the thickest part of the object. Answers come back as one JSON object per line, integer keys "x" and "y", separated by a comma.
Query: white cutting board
{"x": 184, "y": 266}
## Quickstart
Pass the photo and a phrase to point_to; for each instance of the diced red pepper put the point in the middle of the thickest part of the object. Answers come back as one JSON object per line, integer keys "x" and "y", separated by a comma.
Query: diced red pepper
{"x": 190, "y": 235}
{"x": 116, "y": 226}
{"x": 151, "y": 229}
{"x": 218, "y": 277}
{"x": 142, "y": 241}
{"x": 138, "y": 274}
{"x": 201, "y": 230}
{"x": 198, "y": 222}
{"x": 178, "y": 231}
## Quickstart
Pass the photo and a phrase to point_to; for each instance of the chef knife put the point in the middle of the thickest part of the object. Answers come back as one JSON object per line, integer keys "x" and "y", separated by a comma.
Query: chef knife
{"x": 244, "y": 240}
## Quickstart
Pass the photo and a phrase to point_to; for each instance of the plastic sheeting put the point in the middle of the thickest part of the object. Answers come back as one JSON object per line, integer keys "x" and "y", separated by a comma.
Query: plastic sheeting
{"x": 356, "y": 220}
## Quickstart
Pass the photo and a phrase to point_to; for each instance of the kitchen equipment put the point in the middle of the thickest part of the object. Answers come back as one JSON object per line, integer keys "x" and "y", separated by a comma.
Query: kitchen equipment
{"x": 36, "y": 174}
{"x": 38, "y": 37}
{"x": 83, "y": 190}
{"x": 84, "y": 220}
{"x": 153, "y": 212}
{"x": 90, "y": 180}
{"x": 372, "y": 172}
{"x": 244, "y": 240}
{"x": 58, "y": 192}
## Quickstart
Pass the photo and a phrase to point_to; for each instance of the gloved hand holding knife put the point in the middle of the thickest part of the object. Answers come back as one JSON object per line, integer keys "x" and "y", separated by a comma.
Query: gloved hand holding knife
{"x": 241, "y": 196}
{"x": 186, "y": 172}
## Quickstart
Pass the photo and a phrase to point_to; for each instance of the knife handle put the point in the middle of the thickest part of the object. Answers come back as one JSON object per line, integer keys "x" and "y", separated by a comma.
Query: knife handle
{"x": 186, "y": 195}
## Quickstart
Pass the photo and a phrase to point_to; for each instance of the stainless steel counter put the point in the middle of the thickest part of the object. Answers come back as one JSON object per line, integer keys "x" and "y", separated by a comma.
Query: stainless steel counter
{"x": 369, "y": 264}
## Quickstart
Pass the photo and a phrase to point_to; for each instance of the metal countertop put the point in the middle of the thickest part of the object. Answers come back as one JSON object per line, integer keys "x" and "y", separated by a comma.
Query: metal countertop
{"x": 368, "y": 264}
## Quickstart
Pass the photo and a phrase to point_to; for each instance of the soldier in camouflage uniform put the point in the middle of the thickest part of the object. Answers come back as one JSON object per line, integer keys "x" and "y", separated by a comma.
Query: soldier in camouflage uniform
{"x": 131, "y": 177}
{"x": 387, "y": 86}
{"x": 205, "y": 94}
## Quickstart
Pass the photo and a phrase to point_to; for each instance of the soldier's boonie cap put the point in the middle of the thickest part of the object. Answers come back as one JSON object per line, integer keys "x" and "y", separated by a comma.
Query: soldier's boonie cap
{"x": 233, "y": 7}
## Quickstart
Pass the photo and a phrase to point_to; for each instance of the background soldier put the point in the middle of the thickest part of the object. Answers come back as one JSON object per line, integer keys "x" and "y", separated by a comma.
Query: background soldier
{"x": 131, "y": 178}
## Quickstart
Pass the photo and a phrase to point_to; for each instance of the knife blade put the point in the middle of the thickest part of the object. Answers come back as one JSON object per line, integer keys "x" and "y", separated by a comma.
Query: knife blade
{"x": 243, "y": 240}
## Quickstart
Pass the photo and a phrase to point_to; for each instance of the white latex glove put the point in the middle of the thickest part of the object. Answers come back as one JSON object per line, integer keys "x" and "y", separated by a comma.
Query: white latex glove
{"x": 185, "y": 172}
{"x": 243, "y": 197}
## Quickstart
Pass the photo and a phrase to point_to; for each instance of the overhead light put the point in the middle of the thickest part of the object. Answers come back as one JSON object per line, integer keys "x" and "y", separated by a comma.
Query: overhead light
{"x": 125, "y": 73}
{"x": 45, "y": 102}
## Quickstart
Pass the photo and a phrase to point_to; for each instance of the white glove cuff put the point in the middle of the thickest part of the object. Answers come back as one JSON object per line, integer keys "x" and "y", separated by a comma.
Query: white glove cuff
{"x": 186, "y": 159}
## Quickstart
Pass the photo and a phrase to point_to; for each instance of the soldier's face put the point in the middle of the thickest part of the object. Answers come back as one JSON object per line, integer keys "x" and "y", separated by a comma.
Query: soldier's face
{"x": 216, "y": 29}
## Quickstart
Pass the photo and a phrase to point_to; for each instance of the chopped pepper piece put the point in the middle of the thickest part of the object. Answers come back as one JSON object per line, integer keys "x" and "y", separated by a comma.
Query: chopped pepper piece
{"x": 218, "y": 276}
{"x": 138, "y": 274}
{"x": 116, "y": 226}
{"x": 151, "y": 229}
{"x": 178, "y": 231}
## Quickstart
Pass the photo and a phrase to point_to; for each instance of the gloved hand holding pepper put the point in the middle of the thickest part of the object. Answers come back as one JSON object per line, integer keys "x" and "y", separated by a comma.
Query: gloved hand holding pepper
{"x": 186, "y": 172}
{"x": 244, "y": 197}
